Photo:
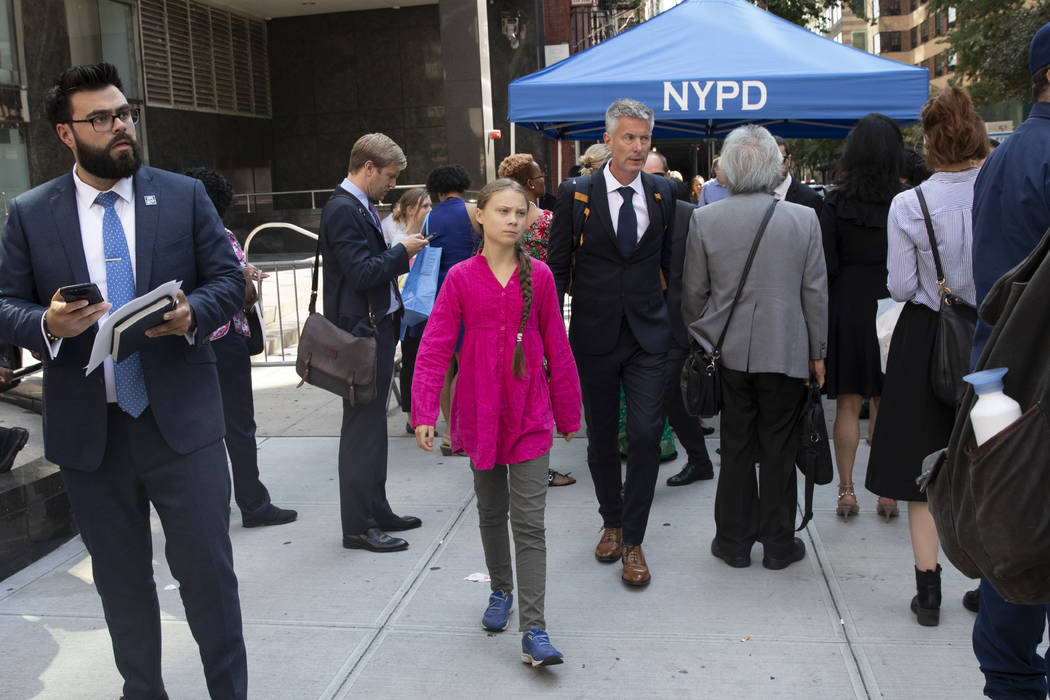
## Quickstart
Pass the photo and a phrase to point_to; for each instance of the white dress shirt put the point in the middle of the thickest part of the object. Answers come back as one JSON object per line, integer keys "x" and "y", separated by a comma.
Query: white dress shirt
{"x": 641, "y": 208}
{"x": 782, "y": 189}
{"x": 363, "y": 198}
{"x": 90, "y": 215}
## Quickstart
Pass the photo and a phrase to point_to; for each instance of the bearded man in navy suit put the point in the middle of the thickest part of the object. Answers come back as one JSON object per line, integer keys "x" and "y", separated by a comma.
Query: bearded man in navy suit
{"x": 149, "y": 429}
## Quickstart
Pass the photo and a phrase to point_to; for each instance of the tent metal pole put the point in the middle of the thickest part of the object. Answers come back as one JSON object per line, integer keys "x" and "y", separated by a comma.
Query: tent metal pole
{"x": 560, "y": 171}
{"x": 512, "y": 149}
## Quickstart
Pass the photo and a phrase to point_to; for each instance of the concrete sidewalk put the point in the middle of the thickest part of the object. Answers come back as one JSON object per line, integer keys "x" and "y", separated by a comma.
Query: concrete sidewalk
{"x": 324, "y": 622}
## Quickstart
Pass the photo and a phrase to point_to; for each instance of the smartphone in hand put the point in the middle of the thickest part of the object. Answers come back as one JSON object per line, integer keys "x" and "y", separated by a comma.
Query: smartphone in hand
{"x": 76, "y": 292}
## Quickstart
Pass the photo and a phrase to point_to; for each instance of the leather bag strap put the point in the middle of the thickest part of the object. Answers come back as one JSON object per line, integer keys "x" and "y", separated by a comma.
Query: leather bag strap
{"x": 317, "y": 256}
{"x": 716, "y": 353}
{"x": 941, "y": 282}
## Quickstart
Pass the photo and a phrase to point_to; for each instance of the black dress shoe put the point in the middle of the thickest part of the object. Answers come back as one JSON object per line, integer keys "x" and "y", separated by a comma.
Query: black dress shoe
{"x": 972, "y": 600}
{"x": 798, "y": 551}
{"x": 399, "y": 523}
{"x": 737, "y": 561}
{"x": 273, "y": 516}
{"x": 374, "y": 540}
{"x": 692, "y": 472}
{"x": 12, "y": 440}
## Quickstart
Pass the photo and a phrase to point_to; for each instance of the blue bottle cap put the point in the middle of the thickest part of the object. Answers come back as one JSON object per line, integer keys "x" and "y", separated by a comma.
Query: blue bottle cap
{"x": 987, "y": 380}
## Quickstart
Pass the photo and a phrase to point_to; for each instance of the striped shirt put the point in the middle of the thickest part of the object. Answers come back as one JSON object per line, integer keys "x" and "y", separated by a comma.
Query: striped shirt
{"x": 912, "y": 273}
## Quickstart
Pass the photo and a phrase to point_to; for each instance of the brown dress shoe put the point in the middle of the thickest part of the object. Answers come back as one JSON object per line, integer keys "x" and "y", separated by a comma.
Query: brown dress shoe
{"x": 608, "y": 549}
{"x": 635, "y": 570}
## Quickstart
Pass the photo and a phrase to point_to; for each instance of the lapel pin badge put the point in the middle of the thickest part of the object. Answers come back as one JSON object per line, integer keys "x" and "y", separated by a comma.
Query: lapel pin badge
{"x": 150, "y": 200}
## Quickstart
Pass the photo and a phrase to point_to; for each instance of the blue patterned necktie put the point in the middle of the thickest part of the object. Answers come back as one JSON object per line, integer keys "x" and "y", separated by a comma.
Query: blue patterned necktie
{"x": 627, "y": 223}
{"x": 120, "y": 281}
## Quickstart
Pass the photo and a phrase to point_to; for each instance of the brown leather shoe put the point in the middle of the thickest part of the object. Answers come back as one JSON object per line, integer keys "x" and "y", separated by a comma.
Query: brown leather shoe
{"x": 608, "y": 549}
{"x": 635, "y": 570}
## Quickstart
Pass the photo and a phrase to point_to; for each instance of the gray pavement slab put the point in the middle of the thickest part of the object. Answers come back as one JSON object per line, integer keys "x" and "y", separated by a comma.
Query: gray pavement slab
{"x": 325, "y": 622}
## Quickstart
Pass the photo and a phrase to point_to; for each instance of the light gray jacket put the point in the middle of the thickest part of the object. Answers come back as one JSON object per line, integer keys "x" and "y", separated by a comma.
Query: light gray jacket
{"x": 781, "y": 320}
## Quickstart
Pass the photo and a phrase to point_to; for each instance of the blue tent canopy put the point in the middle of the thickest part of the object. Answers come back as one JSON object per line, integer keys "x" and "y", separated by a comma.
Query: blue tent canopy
{"x": 708, "y": 66}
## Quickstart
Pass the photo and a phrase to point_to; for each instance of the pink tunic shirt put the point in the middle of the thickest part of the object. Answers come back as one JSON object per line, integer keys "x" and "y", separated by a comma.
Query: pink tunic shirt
{"x": 497, "y": 418}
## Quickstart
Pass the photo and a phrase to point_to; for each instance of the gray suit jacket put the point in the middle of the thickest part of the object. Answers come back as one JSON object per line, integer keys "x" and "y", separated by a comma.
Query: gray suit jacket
{"x": 781, "y": 321}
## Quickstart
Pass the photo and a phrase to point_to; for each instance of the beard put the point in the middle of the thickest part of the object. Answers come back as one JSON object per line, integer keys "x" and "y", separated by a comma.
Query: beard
{"x": 101, "y": 164}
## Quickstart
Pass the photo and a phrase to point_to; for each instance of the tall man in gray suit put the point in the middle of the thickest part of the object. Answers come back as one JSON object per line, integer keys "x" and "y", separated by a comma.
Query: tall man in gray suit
{"x": 615, "y": 266}
{"x": 774, "y": 344}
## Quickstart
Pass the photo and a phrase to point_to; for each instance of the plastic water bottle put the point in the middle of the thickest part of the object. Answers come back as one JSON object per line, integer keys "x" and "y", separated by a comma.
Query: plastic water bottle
{"x": 994, "y": 410}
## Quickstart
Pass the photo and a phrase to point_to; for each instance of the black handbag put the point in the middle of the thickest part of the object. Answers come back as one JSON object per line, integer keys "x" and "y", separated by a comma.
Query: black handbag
{"x": 256, "y": 342}
{"x": 333, "y": 359}
{"x": 956, "y": 320}
{"x": 700, "y": 381}
{"x": 813, "y": 458}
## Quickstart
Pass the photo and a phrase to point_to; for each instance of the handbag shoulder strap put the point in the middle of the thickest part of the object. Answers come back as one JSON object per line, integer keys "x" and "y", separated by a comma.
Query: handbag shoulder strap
{"x": 317, "y": 257}
{"x": 743, "y": 277}
{"x": 941, "y": 282}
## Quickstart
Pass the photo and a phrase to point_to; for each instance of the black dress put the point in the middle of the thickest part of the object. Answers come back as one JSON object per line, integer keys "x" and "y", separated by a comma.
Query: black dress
{"x": 912, "y": 421}
{"x": 854, "y": 235}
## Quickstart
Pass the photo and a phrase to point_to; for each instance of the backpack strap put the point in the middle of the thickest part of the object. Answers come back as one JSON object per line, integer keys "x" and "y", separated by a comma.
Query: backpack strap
{"x": 580, "y": 213}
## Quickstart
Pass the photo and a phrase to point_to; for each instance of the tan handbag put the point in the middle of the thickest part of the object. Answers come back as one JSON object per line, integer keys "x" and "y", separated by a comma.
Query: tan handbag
{"x": 333, "y": 359}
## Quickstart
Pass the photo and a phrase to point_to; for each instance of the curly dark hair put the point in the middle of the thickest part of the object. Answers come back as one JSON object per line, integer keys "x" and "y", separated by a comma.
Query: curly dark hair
{"x": 871, "y": 160}
{"x": 447, "y": 178}
{"x": 93, "y": 76}
{"x": 517, "y": 167}
{"x": 219, "y": 189}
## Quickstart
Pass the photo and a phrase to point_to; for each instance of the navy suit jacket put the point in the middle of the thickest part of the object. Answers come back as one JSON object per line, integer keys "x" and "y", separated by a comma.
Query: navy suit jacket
{"x": 606, "y": 287}
{"x": 178, "y": 237}
{"x": 357, "y": 265}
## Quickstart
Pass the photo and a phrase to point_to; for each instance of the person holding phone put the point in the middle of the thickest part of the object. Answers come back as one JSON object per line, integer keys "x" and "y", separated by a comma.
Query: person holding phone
{"x": 147, "y": 430}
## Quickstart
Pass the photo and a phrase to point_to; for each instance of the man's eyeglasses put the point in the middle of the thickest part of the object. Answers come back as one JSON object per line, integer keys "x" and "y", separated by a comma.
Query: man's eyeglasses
{"x": 102, "y": 123}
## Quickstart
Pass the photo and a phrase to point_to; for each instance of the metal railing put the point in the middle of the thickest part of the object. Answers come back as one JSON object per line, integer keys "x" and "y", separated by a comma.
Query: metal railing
{"x": 277, "y": 287}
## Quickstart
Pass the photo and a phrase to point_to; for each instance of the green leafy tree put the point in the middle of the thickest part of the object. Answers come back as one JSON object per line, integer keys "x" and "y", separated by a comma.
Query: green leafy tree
{"x": 990, "y": 41}
{"x": 806, "y": 12}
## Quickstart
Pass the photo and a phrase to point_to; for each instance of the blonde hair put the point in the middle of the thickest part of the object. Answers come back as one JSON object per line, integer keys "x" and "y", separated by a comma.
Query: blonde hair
{"x": 594, "y": 158}
{"x": 411, "y": 198}
{"x": 378, "y": 148}
{"x": 524, "y": 267}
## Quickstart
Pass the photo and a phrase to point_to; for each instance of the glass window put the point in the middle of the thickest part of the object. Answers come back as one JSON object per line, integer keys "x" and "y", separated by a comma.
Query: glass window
{"x": 8, "y": 49}
{"x": 103, "y": 30}
{"x": 914, "y": 37}
{"x": 891, "y": 41}
{"x": 118, "y": 43}
{"x": 14, "y": 167}
{"x": 860, "y": 40}
{"x": 951, "y": 18}
{"x": 925, "y": 27}
{"x": 938, "y": 63}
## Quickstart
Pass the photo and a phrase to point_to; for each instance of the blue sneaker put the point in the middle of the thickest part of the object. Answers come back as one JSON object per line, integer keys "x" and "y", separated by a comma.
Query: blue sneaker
{"x": 497, "y": 615}
{"x": 536, "y": 649}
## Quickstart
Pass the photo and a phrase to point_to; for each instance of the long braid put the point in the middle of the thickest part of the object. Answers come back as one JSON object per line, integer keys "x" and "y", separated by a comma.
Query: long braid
{"x": 525, "y": 280}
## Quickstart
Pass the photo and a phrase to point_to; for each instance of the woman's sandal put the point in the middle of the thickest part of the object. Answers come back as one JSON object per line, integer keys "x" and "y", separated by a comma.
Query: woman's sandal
{"x": 887, "y": 508}
{"x": 558, "y": 479}
{"x": 446, "y": 447}
{"x": 847, "y": 505}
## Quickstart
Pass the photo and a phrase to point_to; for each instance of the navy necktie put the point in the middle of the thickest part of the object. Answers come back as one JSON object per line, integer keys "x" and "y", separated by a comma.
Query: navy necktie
{"x": 627, "y": 223}
{"x": 120, "y": 284}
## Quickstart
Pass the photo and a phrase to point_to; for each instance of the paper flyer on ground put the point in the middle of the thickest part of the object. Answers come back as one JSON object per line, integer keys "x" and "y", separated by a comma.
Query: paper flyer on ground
{"x": 104, "y": 338}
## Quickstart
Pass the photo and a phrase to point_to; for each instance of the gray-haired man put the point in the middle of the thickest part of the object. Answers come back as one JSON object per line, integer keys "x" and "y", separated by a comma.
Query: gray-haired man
{"x": 615, "y": 267}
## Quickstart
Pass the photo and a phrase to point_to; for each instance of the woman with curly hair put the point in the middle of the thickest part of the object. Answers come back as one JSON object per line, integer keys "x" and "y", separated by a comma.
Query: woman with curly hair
{"x": 523, "y": 169}
{"x": 853, "y": 224}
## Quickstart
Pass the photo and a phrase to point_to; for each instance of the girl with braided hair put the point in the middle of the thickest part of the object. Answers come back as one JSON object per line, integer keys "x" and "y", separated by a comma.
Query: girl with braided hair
{"x": 505, "y": 409}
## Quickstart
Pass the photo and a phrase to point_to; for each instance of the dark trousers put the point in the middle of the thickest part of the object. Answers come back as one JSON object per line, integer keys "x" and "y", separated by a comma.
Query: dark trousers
{"x": 235, "y": 381}
{"x": 760, "y": 412}
{"x": 1005, "y": 638}
{"x": 192, "y": 496}
{"x": 642, "y": 376}
{"x": 685, "y": 426}
{"x": 409, "y": 350}
{"x": 363, "y": 446}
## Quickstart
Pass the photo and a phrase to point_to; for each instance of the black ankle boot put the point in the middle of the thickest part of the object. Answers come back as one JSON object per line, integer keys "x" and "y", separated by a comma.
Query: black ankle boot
{"x": 927, "y": 603}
